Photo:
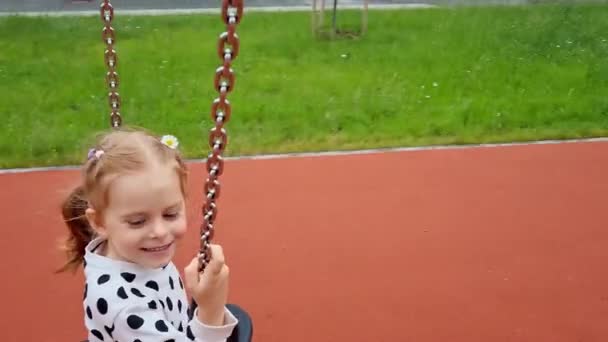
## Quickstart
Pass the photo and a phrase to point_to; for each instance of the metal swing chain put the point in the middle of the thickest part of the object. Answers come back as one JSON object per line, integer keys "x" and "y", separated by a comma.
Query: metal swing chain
{"x": 111, "y": 60}
{"x": 227, "y": 49}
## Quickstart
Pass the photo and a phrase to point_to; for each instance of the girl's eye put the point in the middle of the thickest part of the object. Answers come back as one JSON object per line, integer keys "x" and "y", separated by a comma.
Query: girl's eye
{"x": 171, "y": 216}
{"x": 136, "y": 223}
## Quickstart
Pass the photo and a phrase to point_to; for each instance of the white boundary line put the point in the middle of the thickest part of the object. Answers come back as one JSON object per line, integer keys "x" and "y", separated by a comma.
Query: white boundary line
{"x": 153, "y": 12}
{"x": 341, "y": 153}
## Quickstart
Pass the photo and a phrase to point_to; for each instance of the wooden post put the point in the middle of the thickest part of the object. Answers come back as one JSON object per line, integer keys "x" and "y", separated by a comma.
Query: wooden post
{"x": 322, "y": 13}
{"x": 364, "y": 17}
{"x": 318, "y": 7}
{"x": 314, "y": 18}
{"x": 334, "y": 27}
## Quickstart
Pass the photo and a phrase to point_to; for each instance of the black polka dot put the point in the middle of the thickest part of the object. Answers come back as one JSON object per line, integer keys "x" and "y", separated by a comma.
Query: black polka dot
{"x": 128, "y": 276}
{"x": 169, "y": 304}
{"x": 137, "y": 340}
{"x": 135, "y": 322}
{"x": 179, "y": 306}
{"x": 161, "y": 326}
{"x": 110, "y": 330}
{"x": 181, "y": 284}
{"x": 89, "y": 313}
{"x": 86, "y": 289}
{"x": 103, "y": 279}
{"x": 161, "y": 303}
{"x": 152, "y": 284}
{"x": 84, "y": 263}
{"x": 181, "y": 327}
{"x": 102, "y": 306}
{"x": 170, "y": 340}
{"x": 121, "y": 293}
{"x": 152, "y": 305}
{"x": 97, "y": 334}
{"x": 171, "y": 283}
{"x": 137, "y": 293}
{"x": 189, "y": 333}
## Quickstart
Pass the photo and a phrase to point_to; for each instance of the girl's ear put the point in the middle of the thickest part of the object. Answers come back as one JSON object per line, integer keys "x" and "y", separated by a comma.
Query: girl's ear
{"x": 95, "y": 222}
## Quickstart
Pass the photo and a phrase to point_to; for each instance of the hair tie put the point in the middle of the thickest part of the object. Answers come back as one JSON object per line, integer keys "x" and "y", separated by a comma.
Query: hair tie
{"x": 94, "y": 153}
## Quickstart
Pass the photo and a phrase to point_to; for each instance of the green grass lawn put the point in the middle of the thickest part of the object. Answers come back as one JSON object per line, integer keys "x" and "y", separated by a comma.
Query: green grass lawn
{"x": 431, "y": 76}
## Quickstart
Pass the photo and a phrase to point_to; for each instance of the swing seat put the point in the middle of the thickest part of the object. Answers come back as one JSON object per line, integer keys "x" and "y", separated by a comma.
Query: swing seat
{"x": 243, "y": 332}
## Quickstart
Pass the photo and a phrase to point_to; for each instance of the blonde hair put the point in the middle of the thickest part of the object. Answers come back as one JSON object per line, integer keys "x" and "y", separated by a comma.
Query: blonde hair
{"x": 120, "y": 151}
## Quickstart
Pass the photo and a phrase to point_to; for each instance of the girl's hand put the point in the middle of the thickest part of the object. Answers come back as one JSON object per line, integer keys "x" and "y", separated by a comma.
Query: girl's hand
{"x": 210, "y": 288}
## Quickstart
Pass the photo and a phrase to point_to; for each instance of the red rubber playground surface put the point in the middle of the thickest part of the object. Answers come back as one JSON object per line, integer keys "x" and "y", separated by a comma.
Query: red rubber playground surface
{"x": 484, "y": 244}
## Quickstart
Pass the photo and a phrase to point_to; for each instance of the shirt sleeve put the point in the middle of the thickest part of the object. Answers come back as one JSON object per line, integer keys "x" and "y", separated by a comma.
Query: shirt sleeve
{"x": 212, "y": 333}
{"x": 138, "y": 322}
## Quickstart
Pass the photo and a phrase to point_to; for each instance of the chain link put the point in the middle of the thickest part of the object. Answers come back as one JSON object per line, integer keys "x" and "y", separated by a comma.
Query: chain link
{"x": 111, "y": 60}
{"x": 227, "y": 49}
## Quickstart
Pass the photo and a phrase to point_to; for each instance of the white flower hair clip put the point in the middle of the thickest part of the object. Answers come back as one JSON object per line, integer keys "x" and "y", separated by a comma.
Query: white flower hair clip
{"x": 169, "y": 141}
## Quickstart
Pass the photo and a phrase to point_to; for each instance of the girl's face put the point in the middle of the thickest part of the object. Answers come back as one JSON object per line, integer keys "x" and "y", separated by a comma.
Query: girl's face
{"x": 145, "y": 217}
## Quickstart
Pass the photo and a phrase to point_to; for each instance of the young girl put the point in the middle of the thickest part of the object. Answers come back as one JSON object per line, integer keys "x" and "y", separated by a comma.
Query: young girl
{"x": 125, "y": 222}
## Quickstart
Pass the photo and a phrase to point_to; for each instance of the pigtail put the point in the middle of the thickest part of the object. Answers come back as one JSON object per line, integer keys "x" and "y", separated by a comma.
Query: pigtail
{"x": 80, "y": 232}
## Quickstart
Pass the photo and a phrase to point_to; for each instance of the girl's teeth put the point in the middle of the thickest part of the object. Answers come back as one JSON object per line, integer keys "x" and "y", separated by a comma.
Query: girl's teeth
{"x": 156, "y": 249}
